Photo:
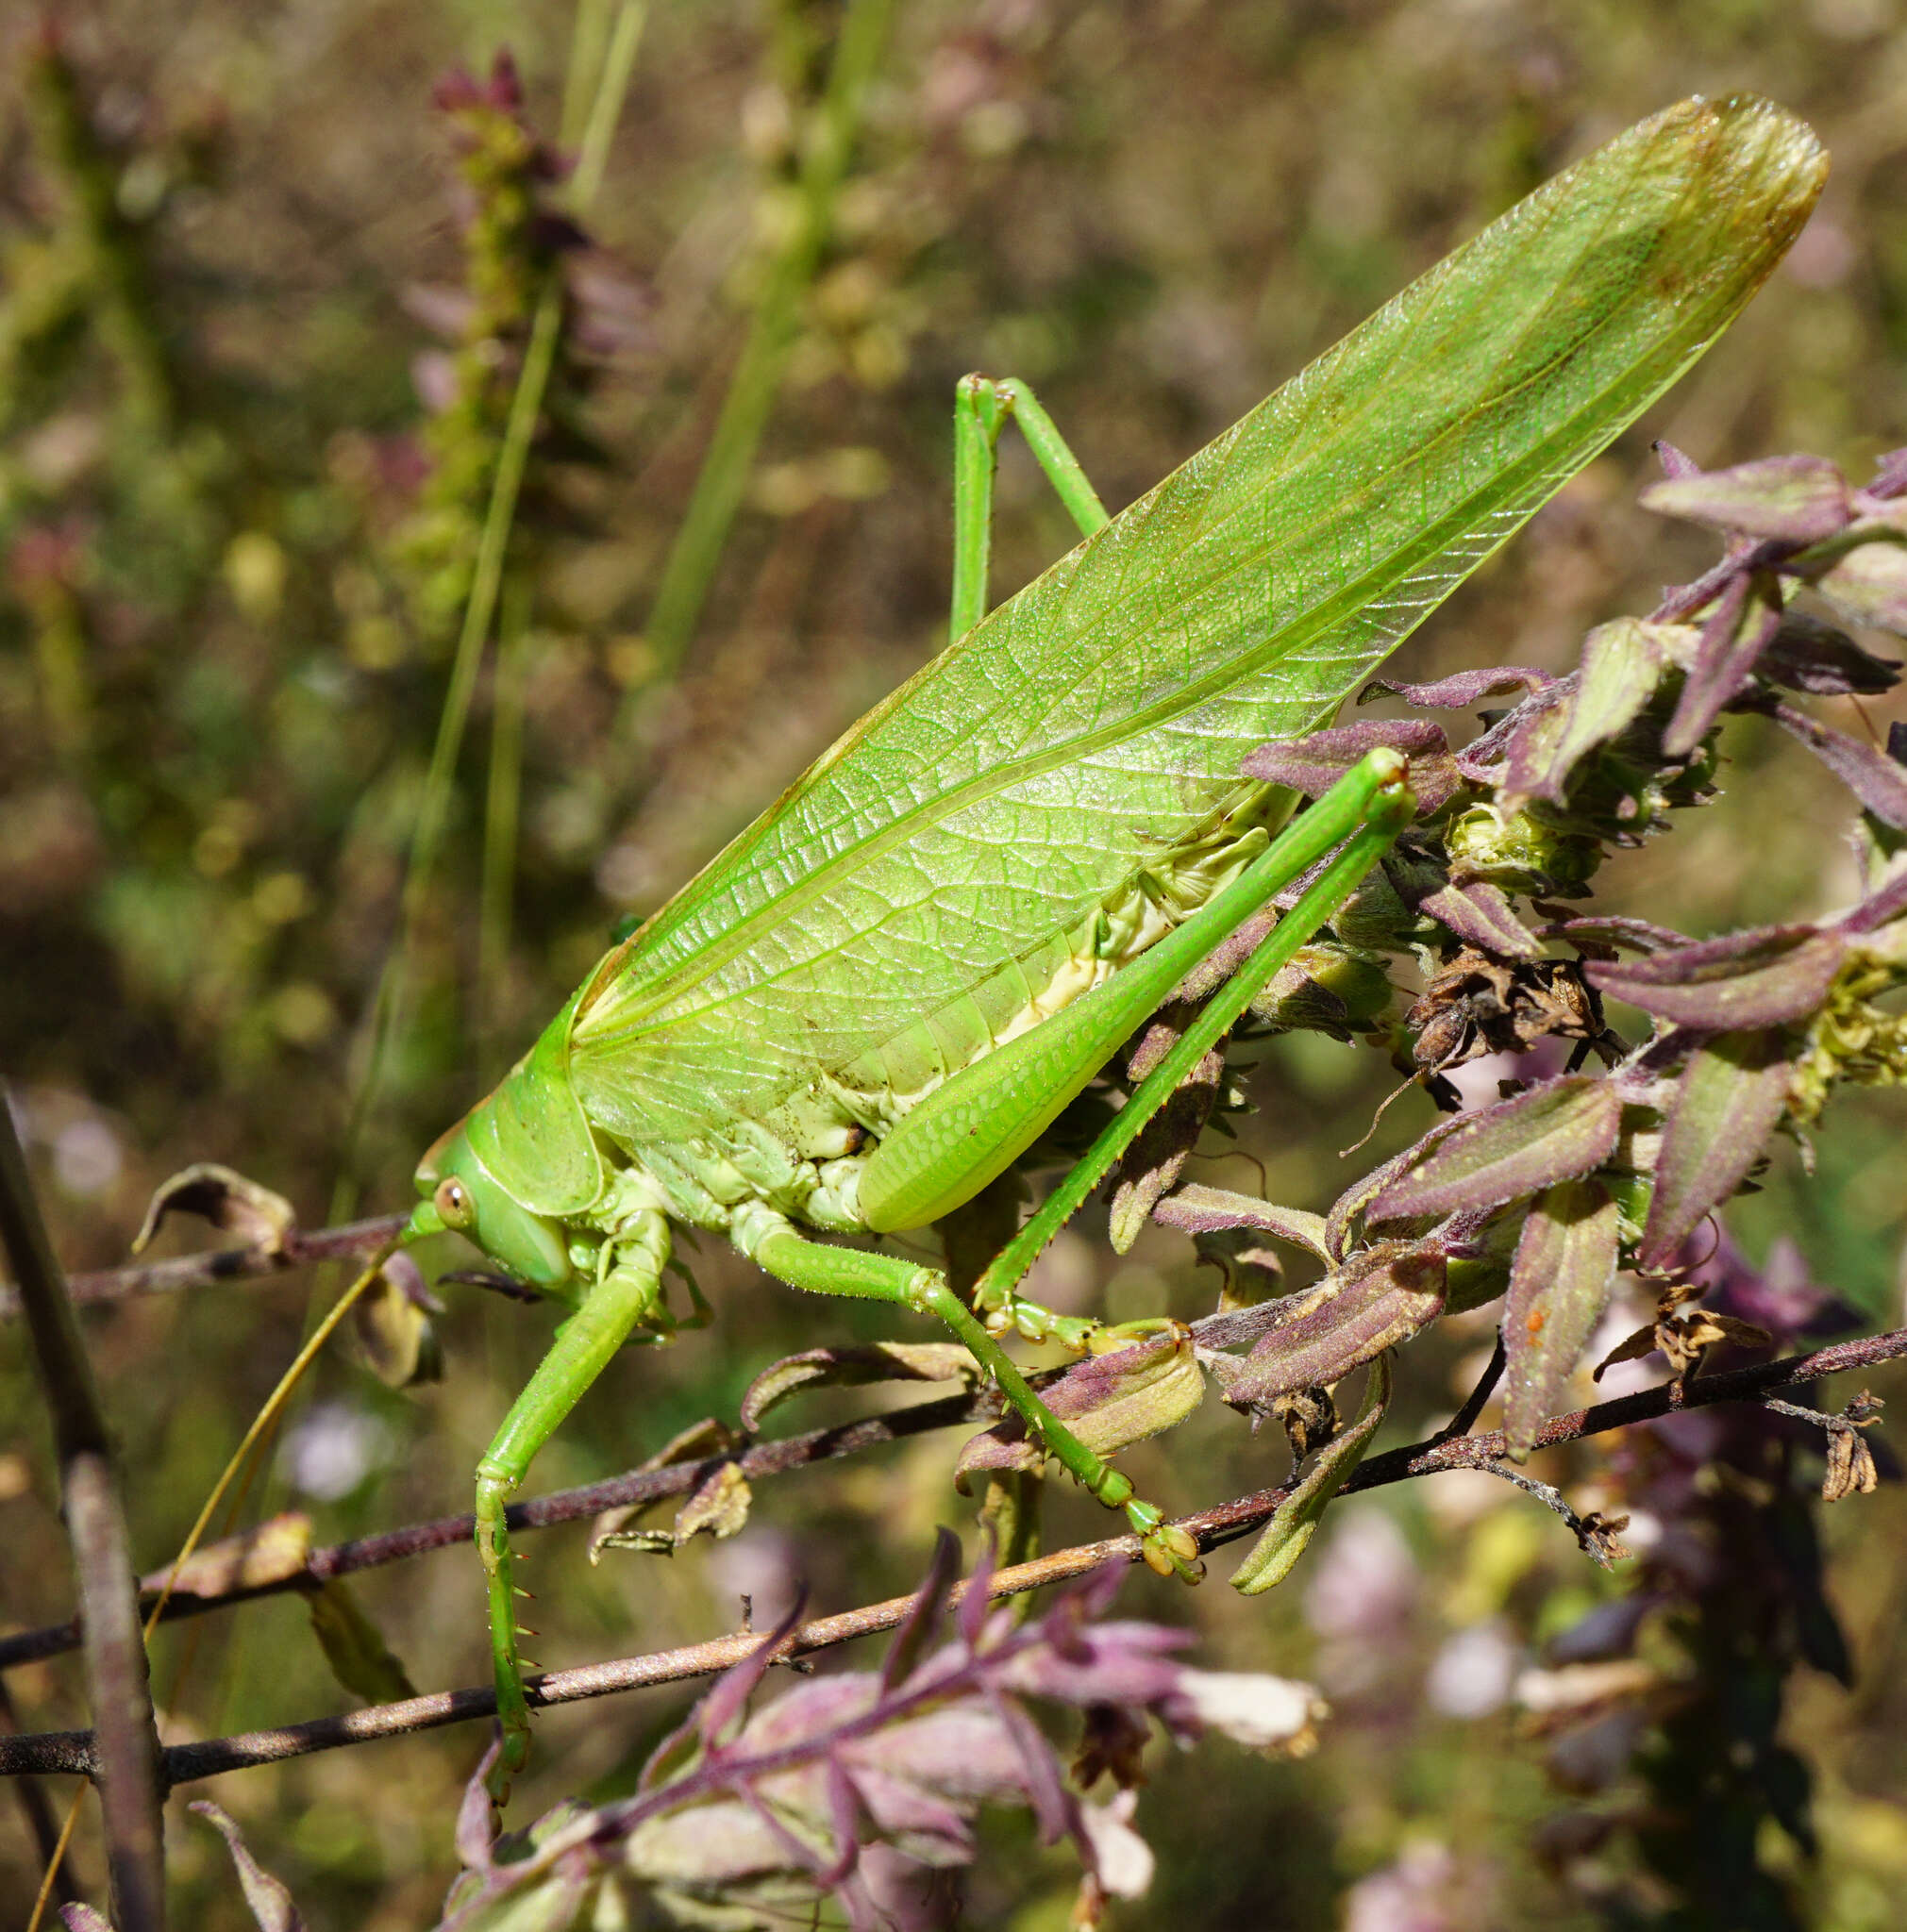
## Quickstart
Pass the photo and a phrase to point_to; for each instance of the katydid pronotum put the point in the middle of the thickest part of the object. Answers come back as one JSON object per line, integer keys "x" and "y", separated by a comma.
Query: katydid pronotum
{"x": 880, "y": 994}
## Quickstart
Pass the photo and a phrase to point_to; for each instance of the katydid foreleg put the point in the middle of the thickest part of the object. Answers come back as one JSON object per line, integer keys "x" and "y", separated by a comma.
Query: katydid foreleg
{"x": 627, "y": 1293}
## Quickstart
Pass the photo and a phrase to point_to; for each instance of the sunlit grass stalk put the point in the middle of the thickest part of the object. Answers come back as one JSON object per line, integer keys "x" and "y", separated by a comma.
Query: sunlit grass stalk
{"x": 261, "y": 1428}
{"x": 613, "y": 84}
{"x": 588, "y": 37}
{"x": 501, "y": 808}
{"x": 689, "y": 568}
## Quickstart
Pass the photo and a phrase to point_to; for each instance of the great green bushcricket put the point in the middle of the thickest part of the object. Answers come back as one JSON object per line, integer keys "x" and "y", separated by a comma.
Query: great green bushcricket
{"x": 880, "y": 994}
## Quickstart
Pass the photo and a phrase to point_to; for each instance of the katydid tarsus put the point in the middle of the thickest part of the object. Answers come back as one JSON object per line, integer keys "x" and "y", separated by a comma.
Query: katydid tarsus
{"x": 879, "y": 995}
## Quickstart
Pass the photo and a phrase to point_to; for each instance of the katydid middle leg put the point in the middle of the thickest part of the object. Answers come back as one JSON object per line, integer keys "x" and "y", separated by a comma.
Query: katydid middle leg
{"x": 981, "y": 408}
{"x": 820, "y": 1269}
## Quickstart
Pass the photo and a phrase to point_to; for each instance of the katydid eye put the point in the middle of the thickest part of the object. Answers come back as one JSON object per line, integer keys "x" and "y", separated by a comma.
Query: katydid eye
{"x": 454, "y": 1203}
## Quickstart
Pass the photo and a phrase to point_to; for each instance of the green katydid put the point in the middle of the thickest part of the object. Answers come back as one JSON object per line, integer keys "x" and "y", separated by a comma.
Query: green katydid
{"x": 880, "y": 994}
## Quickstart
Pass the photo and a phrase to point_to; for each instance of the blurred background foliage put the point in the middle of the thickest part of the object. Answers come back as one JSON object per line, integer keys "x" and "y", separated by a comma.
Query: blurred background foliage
{"x": 272, "y": 277}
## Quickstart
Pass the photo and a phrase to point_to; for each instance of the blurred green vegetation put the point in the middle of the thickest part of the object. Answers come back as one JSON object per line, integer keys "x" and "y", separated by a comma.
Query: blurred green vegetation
{"x": 240, "y": 249}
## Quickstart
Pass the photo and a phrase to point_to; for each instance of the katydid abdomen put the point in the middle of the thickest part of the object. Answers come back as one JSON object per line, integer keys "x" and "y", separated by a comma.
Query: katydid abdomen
{"x": 1041, "y": 803}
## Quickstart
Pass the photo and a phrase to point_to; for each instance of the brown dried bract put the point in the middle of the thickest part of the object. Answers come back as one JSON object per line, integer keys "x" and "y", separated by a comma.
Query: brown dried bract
{"x": 1477, "y": 1005}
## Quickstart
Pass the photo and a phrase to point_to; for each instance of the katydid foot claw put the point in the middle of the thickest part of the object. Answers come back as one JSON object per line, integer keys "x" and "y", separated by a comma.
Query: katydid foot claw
{"x": 1029, "y": 1320}
{"x": 1168, "y": 1550}
{"x": 512, "y": 1757}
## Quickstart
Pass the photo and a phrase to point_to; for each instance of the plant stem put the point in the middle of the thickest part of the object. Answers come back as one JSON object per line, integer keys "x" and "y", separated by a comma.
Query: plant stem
{"x": 57, "y": 1752}
{"x": 690, "y": 569}
{"x": 613, "y": 84}
{"x": 128, "y": 1767}
{"x": 502, "y": 804}
{"x": 1221, "y": 1523}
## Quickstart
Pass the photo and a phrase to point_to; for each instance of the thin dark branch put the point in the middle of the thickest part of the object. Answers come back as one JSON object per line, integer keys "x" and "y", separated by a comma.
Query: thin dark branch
{"x": 1594, "y": 1537}
{"x": 354, "y": 1240}
{"x": 73, "y": 1751}
{"x": 1465, "y": 1417}
{"x": 128, "y": 1749}
{"x": 576, "y": 1504}
{"x": 41, "y": 1826}
{"x": 1646, "y": 1405}
{"x": 536, "y": 1513}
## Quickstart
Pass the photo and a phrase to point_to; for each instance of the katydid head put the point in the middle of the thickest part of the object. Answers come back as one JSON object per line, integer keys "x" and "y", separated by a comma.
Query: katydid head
{"x": 517, "y": 1170}
{"x": 461, "y": 1193}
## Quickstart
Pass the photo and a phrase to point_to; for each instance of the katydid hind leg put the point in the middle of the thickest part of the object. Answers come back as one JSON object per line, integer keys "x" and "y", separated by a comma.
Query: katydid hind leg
{"x": 818, "y": 1268}
{"x": 1376, "y": 821}
{"x": 584, "y": 1346}
{"x": 979, "y": 1121}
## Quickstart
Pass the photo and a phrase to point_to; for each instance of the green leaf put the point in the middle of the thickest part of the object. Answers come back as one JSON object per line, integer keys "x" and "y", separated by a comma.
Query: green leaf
{"x": 1196, "y": 1208}
{"x": 1107, "y": 1401}
{"x": 1480, "y": 916}
{"x": 1621, "y": 664}
{"x": 1871, "y": 773}
{"x": 1743, "y": 979}
{"x": 1792, "y": 499}
{"x": 1560, "y": 1283}
{"x": 354, "y": 1647}
{"x": 1869, "y": 586}
{"x": 1744, "y": 624}
{"x": 270, "y": 1904}
{"x": 1295, "y": 1521}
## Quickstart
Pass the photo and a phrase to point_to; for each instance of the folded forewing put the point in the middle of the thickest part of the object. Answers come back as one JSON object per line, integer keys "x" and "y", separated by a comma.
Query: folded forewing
{"x": 980, "y": 813}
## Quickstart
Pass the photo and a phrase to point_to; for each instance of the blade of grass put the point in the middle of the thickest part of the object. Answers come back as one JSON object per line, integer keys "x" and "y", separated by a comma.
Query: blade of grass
{"x": 606, "y": 109}
{"x": 500, "y": 816}
{"x": 689, "y": 568}
{"x": 589, "y": 36}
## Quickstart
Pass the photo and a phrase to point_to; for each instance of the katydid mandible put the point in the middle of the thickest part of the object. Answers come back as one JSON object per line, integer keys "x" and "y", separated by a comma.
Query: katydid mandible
{"x": 882, "y": 992}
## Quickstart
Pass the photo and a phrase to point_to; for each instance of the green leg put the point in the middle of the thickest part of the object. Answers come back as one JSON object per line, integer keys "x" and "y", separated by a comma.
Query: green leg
{"x": 981, "y": 407}
{"x": 820, "y": 1269}
{"x": 994, "y": 1294}
{"x": 584, "y": 1346}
